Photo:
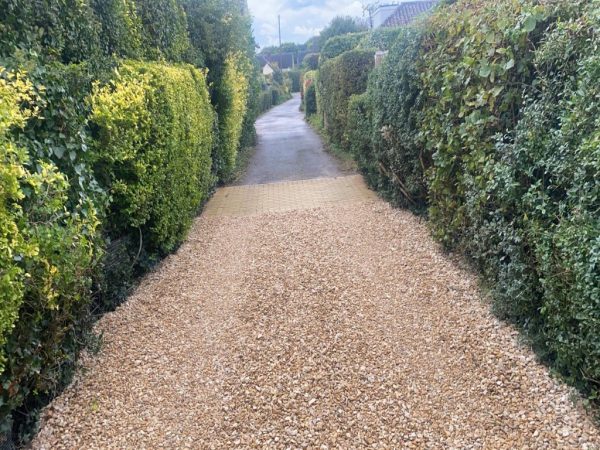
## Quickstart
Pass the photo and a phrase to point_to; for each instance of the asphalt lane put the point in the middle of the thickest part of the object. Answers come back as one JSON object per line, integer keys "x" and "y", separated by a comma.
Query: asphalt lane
{"x": 288, "y": 149}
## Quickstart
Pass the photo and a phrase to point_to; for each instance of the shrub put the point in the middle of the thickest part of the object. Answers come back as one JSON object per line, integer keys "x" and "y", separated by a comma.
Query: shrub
{"x": 153, "y": 142}
{"x": 380, "y": 38}
{"x": 358, "y": 135}
{"x": 48, "y": 246}
{"x": 337, "y": 45}
{"x": 310, "y": 61}
{"x": 398, "y": 147}
{"x": 231, "y": 109}
{"x": 164, "y": 30}
{"x": 539, "y": 232}
{"x": 474, "y": 95}
{"x": 265, "y": 100}
{"x": 338, "y": 79}
{"x": 120, "y": 27}
{"x": 488, "y": 114}
{"x": 310, "y": 93}
{"x": 294, "y": 77}
{"x": 63, "y": 30}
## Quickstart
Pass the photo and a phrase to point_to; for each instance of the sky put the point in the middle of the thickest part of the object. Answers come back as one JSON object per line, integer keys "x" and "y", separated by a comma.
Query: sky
{"x": 300, "y": 19}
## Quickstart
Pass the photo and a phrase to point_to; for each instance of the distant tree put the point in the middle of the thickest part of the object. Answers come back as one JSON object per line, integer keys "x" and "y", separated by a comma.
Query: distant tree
{"x": 313, "y": 45}
{"x": 269, "y": 50}
{"x": 341, "y": 25}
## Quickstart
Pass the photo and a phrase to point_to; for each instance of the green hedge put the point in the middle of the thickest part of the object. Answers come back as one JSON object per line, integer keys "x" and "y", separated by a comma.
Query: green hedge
{"x": 153, "y": 137}
{"x": 398, "y": 146}
{"x": 310, "y": 93}
{"x": 294, "y": 76}
{"x": 63, "y": 30}
{"x": 48, "y": 249}
{"x": 337, "y": 45}
{"x": 382, "y": 38}
{"x": 485, "y": 115}
{"x": 338, "y": 79}
{"x": 104, "y": 163}
{"x": 310, "y": 61}
{"x": 120, "y": 27}
{"x": 232, "y": 98}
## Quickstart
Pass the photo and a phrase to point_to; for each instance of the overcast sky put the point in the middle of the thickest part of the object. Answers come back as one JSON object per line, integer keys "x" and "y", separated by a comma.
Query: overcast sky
{"x": 300, "y": 19}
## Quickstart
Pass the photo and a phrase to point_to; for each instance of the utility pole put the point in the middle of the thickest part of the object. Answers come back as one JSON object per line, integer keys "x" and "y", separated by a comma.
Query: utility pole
{"x": 279, "y": 26}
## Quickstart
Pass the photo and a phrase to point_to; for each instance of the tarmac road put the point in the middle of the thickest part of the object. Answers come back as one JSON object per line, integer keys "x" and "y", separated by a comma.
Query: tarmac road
{"x": 288, "y": 149}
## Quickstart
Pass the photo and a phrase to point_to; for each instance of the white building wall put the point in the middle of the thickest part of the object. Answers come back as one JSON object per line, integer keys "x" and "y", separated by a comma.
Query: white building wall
{"x": 382, "y": 13}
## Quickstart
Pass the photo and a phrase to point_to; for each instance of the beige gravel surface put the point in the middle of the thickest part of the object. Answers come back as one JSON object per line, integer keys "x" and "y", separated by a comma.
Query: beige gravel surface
{"x": 332, "y": 327}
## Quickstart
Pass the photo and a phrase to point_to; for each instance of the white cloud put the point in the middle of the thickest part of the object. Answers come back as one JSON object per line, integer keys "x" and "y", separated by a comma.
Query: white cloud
{"x": 300, "y": 19}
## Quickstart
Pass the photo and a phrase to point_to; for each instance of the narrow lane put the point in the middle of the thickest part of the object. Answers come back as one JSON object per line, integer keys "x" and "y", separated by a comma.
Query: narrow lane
{"x": 288, "y": 149}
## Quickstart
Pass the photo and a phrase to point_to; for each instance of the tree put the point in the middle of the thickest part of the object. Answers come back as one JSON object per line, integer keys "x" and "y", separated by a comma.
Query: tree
{"x": 340, "y": 25}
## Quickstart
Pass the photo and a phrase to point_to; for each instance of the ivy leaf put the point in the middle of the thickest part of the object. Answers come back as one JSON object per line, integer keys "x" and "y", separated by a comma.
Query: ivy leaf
{"x": 529, "y": 24}
{"x": 59, "y": 152}
{"x": 485, "y": 71}
{"x": 510, "y": 64}
{"x": 496, "y": 91}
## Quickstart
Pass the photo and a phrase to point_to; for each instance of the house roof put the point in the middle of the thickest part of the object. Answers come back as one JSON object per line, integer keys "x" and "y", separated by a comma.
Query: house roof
{"x": 407, "y": 12}
{"x": 283, "y": 60}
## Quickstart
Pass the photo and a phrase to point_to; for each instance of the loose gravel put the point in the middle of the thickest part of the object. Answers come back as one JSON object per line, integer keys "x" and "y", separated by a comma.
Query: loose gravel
{"x": 336, "y": 327}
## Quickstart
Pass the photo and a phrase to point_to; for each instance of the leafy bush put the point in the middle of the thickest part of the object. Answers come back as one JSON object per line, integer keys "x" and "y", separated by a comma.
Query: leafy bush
{"x": 72, "y": 129}
{"x": 294, "y": 77}
{"x": 398, "y": 147}
{"x": 338, "y": 79}
{"x": 164, "y": 30}
{"x": 120, "y": 27}
{"x": 63, "y": 30}
{"x": 231, "y": 109}
{"x": 47, "y": 251}
{"x": 153, "y": 144}
{"x": 358, "y": 133}
{"x": 382, "y": 38}
{"x": 311, "y": 61}
{"x": 310, "y": 93}
{"x": 337, "y": 45}
{"x": 488, "y": 115}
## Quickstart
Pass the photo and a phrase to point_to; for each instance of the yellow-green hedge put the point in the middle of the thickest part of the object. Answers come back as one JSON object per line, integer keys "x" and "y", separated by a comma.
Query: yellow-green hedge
{"x": 154, "y": 135}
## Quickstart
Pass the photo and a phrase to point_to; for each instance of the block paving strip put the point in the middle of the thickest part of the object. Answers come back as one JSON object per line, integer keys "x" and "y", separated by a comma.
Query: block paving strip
{"x": 288, "y": 196}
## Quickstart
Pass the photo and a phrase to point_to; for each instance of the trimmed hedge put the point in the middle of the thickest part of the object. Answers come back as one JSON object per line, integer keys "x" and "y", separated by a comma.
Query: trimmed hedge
{"x": 337, "y": 45}
{"x": 152, "y": 145}
{"x": 486, "y": 116}
{"x": 294, "y": 76}
{"x": 310, "y": 61}
{"x": 104, "y": 164}
{"x": 310, "y": 93}
{"x": 398, "y": 146}
{"x": 382, "y": 38}
{"x": 232, "y": 99}
{"x": 48, "y": 250}
{"x": 338, "y": 79}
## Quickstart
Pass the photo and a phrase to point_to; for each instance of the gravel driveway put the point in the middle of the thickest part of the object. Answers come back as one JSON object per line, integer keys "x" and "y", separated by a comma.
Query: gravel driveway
{"x": 332, "y": 327}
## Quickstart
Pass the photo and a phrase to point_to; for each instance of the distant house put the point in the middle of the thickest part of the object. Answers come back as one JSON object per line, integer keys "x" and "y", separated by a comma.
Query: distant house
{"x": 400, "y": 13}
{"x": 285, "y": 61}
{"x": 267, "y": 69}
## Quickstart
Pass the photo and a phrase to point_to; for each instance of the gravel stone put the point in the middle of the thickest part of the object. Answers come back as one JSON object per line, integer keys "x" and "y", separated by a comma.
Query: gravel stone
{"x": 334, "y": 327}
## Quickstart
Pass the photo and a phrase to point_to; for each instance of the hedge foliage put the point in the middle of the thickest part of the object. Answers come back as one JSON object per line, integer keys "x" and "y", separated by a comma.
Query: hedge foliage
{"x": 309, "y": 92}
{"x": 48, "y": 249}
{"x": 485, "y": 116}
{"x": 338, "y": 79}
{"x": 337, "y": 45}
{"x": 153, "y": 139}
{"x": 231, "y": 108}
{"x": 117, "y": 117}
